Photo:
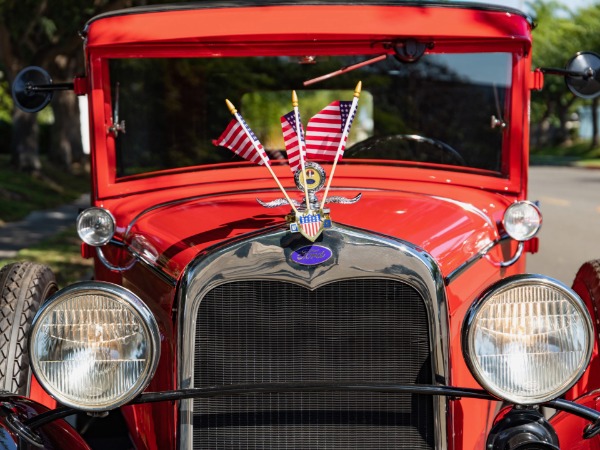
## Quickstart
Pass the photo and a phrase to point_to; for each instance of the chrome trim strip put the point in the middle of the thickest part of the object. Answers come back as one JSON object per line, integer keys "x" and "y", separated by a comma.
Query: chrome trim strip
{"x": 111, "y": 266}
{"x": 136, "y": 257}
{"x": 357, "y": 254}
{"x": 514, "y": 259}
{"x": 473, "y": 259}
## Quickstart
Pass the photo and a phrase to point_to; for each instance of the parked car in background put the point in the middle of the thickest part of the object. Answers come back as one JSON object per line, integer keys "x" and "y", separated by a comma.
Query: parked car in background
{"x": 309, "y": 224}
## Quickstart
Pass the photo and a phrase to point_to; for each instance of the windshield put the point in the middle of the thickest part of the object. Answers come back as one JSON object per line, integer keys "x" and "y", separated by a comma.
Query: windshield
{"x": 443, "y": 110}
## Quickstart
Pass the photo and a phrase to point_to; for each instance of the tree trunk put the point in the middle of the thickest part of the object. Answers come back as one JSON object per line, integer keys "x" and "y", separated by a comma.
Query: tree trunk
{"x": 24, "y": 147}
{"x": 594, "y": 123}
{"x": 66, "y": 147}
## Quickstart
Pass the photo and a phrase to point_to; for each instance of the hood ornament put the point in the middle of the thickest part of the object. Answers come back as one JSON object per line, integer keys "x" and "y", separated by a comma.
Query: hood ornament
{"x": 314, "y": 174}
{"x": 326, "y": 135}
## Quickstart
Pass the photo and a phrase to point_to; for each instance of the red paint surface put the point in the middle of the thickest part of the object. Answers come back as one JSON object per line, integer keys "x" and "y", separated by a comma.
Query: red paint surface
{"x": 176, "y": 214}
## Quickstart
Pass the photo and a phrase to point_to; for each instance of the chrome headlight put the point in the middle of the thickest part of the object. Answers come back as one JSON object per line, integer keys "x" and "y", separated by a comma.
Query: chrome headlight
{"x": 528, "y": 339}
{"x": 95, "y": 226}
{"x": 522, "y": 220}
{"x": 94, "y": 346}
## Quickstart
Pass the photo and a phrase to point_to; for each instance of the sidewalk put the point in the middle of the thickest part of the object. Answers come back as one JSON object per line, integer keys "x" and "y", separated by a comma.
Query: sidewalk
{"x": 39, "y": 225}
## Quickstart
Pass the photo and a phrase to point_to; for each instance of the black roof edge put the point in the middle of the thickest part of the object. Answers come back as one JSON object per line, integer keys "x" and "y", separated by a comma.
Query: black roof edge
{"x": 253, "y": 3}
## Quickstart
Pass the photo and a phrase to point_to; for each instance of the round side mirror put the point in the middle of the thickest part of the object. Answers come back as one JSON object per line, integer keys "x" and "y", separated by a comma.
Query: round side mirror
{"x": 586, "y": 85}
{"x": 26, "y": 91}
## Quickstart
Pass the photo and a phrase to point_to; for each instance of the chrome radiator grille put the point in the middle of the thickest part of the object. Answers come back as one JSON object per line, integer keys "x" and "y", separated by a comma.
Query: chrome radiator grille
{"x": 369, "y": 330}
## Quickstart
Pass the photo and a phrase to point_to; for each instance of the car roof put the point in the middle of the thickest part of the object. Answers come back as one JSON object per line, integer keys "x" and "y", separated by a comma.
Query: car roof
{"x": 257, "y": 3}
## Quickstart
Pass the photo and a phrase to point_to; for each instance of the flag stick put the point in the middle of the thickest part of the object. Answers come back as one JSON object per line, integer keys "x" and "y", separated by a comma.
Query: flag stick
{"x": 238, "y": 117}
{"x": 299, "y": 136}
{"x": 343, "y": 139}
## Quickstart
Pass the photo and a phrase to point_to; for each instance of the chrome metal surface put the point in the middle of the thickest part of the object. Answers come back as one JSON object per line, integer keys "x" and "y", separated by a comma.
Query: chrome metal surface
{"x": 503, "y": 285}
{"x": 277, "y": 202}
{"x": 111, "y": 266}
{"x": 118, "y": 293}
{"x": 314, "y": 201}
{"x": 514, "y": 259}
{"x": 484, "y": 253}
{"x": 357, "y": 254}
{"x": 24, "y": 432}
{"x": 528, "y": 203}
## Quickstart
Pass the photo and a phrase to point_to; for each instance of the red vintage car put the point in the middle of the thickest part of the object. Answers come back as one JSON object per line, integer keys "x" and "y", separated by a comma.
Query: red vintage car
{"x": 309, "y": 224}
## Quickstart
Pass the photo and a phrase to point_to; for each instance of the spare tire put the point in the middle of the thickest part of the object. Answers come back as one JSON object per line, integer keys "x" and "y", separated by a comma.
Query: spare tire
{"x": 23, "y": 288}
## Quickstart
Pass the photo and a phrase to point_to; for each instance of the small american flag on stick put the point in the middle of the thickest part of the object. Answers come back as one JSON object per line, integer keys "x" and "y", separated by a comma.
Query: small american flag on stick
{"x": 242, "y": 143}
{"x": 239, "y": 138}
{"x": 325, "y": 131}
{"x": 290, "y": 138}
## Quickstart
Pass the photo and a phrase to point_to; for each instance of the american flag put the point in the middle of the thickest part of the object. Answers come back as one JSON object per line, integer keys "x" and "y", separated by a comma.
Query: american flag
{"x": 311, "y": 224}
{"x": 290, "y": 138}
{"x": 235, "y": 139}
{"x": 325, "y": 131}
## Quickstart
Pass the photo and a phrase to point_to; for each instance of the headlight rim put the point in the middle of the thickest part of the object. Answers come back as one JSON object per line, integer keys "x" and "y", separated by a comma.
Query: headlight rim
{"x": 499, "y": 287}
{"x": 122, "y": 294}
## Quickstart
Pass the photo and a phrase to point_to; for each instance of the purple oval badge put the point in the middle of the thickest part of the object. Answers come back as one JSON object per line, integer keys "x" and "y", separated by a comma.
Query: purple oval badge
{"x": 311, "y": 255}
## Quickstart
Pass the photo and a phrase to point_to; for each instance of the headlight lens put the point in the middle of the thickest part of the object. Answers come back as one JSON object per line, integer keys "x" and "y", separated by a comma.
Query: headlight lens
{"x": 522, "y": 220}
{"x": 95, "y": 226}
{"x": 528, "y": 339}
{"x": 94, "y": 346}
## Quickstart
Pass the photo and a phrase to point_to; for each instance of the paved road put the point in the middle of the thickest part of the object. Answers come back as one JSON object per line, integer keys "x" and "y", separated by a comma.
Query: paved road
{"x": 570, "y": 203}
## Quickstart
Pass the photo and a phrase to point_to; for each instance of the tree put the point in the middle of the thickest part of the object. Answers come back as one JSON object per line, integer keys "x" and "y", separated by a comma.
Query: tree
{"x": 560, "y": 34}
{"x": 35, "y": 32}
{"x": 586, "y": 32}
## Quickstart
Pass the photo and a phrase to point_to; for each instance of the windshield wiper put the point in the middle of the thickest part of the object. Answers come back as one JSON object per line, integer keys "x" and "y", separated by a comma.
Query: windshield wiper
{"x": 346, "y": 69}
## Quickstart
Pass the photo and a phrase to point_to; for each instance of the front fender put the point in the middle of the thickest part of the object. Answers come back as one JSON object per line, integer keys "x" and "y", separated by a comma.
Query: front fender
{"x": 14, "y": 434}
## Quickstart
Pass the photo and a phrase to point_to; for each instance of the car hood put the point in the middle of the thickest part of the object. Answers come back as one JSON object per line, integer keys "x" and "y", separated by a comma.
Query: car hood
{"x": 170, "y": 235}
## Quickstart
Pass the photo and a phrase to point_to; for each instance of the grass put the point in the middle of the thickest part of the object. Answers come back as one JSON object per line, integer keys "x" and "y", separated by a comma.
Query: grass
{"x": 21, "y": 193}
{"x": 62, "y": 254}
{"x": 579, "y": 154}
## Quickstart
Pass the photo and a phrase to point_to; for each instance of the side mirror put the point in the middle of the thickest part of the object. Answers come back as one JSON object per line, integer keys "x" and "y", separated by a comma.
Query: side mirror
{"x": 582, "y": 74}
{"x": 588, "y": 85}
{"x": 33, "y": 89}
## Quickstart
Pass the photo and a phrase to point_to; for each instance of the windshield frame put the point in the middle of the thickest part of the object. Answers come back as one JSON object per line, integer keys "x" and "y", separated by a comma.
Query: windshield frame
{"x": 104, "y": 159}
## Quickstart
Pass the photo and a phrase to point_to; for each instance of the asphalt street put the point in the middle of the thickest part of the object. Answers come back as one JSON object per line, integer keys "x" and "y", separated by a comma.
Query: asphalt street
{"x": 570, "y": 203}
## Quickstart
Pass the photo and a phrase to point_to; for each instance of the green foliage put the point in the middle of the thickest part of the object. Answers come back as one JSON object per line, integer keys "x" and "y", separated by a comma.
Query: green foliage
{"x": 62, "y": 254}
{"x": 5, "y": 100}
{"x": 560, "y": 34}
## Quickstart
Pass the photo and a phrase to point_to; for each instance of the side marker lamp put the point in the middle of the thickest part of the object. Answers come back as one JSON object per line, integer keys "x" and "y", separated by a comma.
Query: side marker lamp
{"x": 522, "y": 220}
{"x": 95, "y": 226}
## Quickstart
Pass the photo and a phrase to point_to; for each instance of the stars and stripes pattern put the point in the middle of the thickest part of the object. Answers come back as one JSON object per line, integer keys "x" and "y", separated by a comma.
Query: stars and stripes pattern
{"x": 290, "y": 138}
{"x": 325, "y": 131}
{"x": 311, "y": 224}
{"x": 235, "y": 139}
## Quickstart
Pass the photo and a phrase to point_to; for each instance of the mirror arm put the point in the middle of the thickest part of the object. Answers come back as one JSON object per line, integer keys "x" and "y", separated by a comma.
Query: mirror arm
{"x": 588, "y": 73}
{"x": 49, "y": 87}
